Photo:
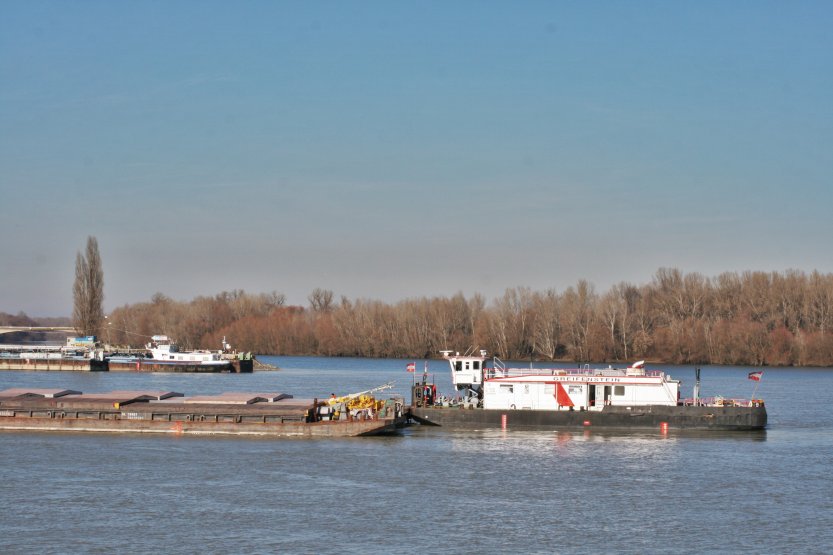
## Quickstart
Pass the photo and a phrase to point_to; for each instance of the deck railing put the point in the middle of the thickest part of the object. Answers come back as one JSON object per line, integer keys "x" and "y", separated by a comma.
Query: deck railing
{"x": 503, "y": 372}
{"x": 722, "y": 402}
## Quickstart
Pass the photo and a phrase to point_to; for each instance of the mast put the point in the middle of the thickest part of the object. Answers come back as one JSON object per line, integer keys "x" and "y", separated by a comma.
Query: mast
{"x": 696, "y": 386}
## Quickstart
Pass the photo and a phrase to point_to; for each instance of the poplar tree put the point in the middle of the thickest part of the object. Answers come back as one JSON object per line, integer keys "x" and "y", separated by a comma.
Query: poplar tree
{"x": 88, "y": 291}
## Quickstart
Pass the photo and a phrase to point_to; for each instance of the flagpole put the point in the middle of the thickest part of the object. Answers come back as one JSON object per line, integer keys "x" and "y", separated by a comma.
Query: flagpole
{"x": 757, "y": 383}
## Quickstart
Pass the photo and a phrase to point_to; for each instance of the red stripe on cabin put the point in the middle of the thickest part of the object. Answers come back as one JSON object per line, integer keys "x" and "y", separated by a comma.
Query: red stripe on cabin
{"x": 561, "y": 396}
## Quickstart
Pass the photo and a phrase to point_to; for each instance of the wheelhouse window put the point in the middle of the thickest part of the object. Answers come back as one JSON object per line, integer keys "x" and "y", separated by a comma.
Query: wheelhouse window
{"x": 458, "y": 365}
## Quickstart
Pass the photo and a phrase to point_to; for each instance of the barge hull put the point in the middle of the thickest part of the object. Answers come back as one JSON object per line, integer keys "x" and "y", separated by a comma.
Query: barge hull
{"x": 52, "y": 365}
{"x": 231, "y": 366}
{"x": 92, "y": 365}
{"x": 179, "y": 427}
{"x": 649, "y": 417}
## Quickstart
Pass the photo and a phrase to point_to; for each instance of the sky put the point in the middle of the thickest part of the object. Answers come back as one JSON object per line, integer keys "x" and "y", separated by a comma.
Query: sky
{"x": 391, "y": 150}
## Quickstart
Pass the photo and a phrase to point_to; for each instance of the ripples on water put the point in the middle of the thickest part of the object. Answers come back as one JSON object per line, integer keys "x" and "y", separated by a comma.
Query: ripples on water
{"x": 429, "y": 490}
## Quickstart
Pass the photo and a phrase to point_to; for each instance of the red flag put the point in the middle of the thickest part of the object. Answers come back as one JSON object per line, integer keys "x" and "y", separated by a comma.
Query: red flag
{"x": 755, "y": 376}
{"x": 411, "y": 367}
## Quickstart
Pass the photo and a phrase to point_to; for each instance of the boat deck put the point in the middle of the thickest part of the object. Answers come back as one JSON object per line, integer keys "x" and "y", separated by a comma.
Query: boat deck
{"x": 270, "y": 414}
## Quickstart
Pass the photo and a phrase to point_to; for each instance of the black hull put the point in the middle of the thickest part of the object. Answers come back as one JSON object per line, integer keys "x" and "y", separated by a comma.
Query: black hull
{"x": 231, "y": 366}
{"x": 92, "y": 365}
{"x": 653, "y": 417}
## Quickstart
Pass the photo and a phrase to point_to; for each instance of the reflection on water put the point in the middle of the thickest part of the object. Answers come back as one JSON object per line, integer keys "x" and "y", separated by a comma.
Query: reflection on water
{"x": 544, "y": 443}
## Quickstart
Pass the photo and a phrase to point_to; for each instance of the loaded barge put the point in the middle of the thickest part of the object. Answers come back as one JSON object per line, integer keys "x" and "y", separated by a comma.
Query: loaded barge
{"x": 631, "y": 398}
{"x": 274, "y": 415}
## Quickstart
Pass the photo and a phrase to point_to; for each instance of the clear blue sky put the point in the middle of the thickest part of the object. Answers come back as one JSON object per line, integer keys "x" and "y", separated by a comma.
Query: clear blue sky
{"x": 389, "y": 150}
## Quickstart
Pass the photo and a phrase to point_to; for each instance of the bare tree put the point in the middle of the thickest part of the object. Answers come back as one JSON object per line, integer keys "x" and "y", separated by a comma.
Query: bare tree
{"x": 321, "y": 300}
{"x": 88, "y": 290}
{"x": 579, "y": 310}
{"x": 748, "y": 318}
{"x": 547, "y": 331}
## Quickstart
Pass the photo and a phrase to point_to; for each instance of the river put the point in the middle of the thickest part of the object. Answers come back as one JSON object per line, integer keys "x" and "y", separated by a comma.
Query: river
{"x": 427, "y": 490}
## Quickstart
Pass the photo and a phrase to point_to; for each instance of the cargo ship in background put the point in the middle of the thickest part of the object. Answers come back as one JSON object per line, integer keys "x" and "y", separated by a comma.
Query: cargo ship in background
{"x": 87, "y": 354}
{"x": 529, "y": 398}
{"x": 77, "y": 354}
{"x": 163, "y": 355}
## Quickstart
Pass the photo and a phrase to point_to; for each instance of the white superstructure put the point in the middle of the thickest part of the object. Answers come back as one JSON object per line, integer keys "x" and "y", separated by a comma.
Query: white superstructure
{"x": 162, "y": 349}
{"x": 560, "y": 389}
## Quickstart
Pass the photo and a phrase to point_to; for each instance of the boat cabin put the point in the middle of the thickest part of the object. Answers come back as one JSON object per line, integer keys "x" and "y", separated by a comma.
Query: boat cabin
{"x": 466, "y": 370}
{"x": 505, "y": 388}
{"x": 163, "y": 349}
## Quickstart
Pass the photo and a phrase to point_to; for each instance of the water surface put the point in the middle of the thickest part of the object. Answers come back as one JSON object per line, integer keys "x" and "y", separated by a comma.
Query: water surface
{"x": 429, "y": 490}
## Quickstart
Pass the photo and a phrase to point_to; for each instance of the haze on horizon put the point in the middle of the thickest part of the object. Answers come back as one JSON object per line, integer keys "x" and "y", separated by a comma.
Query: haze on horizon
{"x": 394, "y": 150}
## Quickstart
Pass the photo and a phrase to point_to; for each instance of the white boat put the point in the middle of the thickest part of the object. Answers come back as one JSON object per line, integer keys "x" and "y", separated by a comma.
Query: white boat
{"x": 561, "y": 389}
{"x": 606, "y": 397}
{"x": 164, "y": 350}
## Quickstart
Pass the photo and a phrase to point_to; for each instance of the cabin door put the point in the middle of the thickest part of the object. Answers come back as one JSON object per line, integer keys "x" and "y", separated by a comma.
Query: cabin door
{"x": 599, "y": 395}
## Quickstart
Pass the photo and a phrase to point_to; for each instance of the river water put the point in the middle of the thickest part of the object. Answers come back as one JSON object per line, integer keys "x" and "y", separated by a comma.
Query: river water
{"x": 428, "y": 490}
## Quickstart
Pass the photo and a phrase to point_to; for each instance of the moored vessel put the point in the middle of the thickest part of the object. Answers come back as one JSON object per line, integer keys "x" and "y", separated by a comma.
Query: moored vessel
{"x": 164, "y": 355}
{"x": 78, "y": 354}
{"x": 87, "y": 354}
{"x": 626, "y": 398}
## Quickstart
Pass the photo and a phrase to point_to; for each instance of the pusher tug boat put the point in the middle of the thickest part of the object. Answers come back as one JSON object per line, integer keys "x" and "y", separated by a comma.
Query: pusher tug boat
{"x": 530, "y": 398}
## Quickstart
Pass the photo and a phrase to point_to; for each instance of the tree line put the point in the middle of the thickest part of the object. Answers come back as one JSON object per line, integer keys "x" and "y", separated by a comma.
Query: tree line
{"x": 749, "y": 318}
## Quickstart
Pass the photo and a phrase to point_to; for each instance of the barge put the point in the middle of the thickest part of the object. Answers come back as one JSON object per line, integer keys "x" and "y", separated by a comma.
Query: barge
{"x": 77, "y": 355}
{"x": 276, "y": 415}
{"x": 85, "y": 354}
{"x": 526, "y": 398}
